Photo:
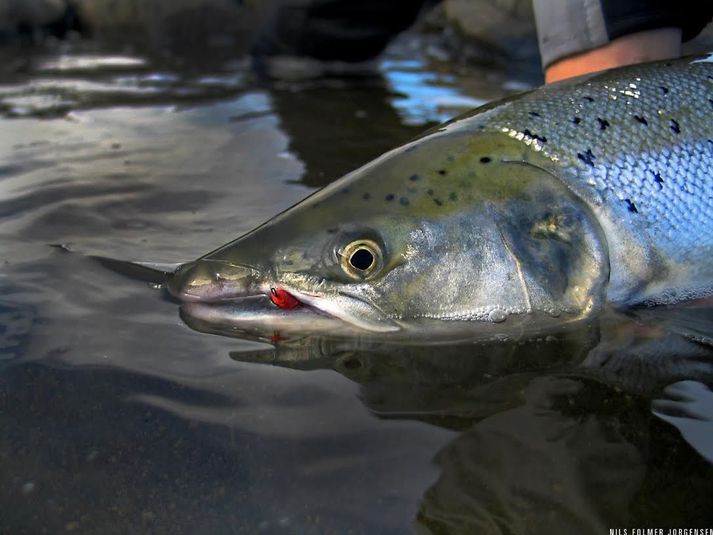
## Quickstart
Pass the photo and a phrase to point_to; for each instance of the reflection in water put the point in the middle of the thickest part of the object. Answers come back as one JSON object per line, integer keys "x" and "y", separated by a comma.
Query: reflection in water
{"x": 549, "y": 465}
{"x": 424, "y": 97}
{"x": 557, "y": 434}
{"x": 338, "y": 123}
{"x": 333, "y": 124}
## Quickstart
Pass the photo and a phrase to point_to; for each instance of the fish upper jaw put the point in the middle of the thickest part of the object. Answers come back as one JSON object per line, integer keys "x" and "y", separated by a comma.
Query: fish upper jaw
{"x": 213, "y": 281}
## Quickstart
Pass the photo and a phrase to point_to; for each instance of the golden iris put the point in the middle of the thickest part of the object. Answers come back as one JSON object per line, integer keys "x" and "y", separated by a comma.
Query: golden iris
{"x": 361, "y": 259}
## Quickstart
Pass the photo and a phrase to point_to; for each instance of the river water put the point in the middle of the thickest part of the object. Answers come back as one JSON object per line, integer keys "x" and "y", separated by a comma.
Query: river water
{"x": 116, "y": 417}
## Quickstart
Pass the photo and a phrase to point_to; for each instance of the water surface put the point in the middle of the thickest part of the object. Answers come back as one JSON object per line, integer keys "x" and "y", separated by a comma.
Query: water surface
{"x": 117, "y": 417}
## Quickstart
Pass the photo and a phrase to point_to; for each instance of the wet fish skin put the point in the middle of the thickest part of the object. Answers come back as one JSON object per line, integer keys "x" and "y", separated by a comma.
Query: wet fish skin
{"x": 637, "y": 145}
{"x": 545, "y": 205}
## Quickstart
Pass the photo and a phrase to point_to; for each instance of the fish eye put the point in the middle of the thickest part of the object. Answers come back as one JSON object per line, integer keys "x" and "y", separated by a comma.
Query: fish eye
{"x": 361, "y": 259}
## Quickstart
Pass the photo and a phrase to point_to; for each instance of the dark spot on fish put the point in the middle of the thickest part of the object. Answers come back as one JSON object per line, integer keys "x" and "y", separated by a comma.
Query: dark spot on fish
{"x": 659, "y": 179}
{"x": 587, "y": 157}
{"x": 675, "y": 126}
{"x": 442, "y": 172}
{"x": 450, "y": 158}
{"x": 533, "y": 114}
{"x": 642, "y": 120}
{"x": 603, "y": 123}
{"x": 588, "y": 98}
{"x": 534, "y": 136}
{"x": 576, "y": 120}
{"x": 430, "y": 192}
{"x": 390, "y": 197}
{"x": 485, "y": 159}
{"x": 438, "y": 202}
{"x": 664, "y": 89}
{"x": 404, "y": 201}
{"x": 315, "y": 205}
{"x": 710, "y": 101}
{"x": 414, "y": 178}
{"x": 668, "y": 64}
{"x": 288, "y": 262}
{"x": 366, "y": 196}
{"x": 332, "y": 230}
{"x": 345, "y": 190}
{"x": 411, "y": 190}
{"x": 631, "y": 206}
{"x": 453, "y": 196}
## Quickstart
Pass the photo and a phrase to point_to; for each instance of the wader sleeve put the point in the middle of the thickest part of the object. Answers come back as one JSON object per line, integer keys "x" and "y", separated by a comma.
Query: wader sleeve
{"x": 568, "y": 27}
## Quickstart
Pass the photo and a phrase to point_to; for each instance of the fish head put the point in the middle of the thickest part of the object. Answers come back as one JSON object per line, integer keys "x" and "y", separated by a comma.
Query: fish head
{"x": 452, "y": 228}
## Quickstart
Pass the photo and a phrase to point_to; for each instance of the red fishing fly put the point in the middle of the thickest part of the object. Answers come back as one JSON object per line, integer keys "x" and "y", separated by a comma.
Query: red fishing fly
{"x": 283, "y": 299}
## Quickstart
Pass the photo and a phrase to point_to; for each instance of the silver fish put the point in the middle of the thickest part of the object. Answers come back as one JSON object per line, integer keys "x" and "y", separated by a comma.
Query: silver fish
{"x": 538, "y": 210}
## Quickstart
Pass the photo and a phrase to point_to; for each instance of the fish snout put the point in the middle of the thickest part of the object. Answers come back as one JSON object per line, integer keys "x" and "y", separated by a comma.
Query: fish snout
{"x": 211, "y": 281}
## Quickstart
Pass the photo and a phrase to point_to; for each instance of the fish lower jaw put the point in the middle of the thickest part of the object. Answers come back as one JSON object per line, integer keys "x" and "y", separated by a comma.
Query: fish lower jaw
{"x": 350, "y": 309}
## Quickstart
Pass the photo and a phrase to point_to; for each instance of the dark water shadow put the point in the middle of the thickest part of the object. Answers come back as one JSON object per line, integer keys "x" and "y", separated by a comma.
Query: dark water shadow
{"x": 336, "y": 125}
{"x": 556, "y": 434}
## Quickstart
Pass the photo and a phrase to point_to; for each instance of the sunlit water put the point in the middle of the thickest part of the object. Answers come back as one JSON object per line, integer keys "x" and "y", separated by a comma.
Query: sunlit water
{"x": 116, "y": 417}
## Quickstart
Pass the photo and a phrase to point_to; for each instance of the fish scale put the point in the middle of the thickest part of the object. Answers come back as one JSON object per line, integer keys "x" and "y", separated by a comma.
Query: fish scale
{"x": 628, "y": 155}
{"x": 659, "y": 123}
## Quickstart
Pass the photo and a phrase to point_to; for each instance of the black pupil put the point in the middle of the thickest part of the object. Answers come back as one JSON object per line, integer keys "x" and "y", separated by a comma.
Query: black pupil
{"x": 362, "y": 259}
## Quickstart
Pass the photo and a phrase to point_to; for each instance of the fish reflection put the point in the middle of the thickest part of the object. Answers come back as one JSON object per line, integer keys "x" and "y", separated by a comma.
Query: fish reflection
{"x": 557, "y": 434}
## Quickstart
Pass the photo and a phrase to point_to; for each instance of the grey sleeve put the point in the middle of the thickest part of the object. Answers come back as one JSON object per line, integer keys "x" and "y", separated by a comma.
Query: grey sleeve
{"x": 567, "y": 27}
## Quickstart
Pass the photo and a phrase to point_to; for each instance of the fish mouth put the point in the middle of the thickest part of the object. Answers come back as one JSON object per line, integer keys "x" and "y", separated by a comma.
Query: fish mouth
{"x": 215, "y": 291}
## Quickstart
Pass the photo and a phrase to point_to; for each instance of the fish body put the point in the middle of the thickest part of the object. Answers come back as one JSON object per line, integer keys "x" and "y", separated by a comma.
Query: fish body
{"x": 636, "y": 144}
{"x": 537, "y": 209}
